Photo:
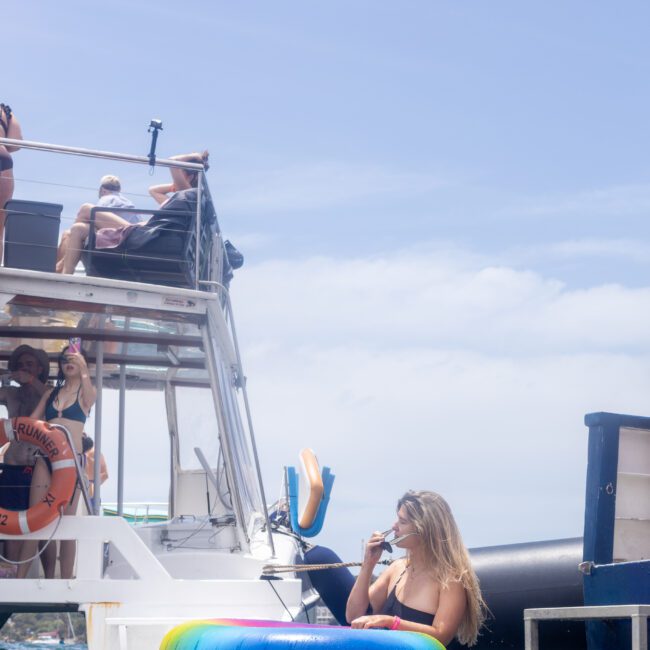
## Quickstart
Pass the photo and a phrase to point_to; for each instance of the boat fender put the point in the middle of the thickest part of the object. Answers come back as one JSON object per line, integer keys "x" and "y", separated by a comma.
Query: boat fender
{"x": 314, "y": 481}
{"x": 54, "y": 444}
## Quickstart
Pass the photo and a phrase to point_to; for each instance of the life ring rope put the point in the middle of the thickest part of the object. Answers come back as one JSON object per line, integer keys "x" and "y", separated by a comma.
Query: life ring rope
{"x": 53, "y": 442}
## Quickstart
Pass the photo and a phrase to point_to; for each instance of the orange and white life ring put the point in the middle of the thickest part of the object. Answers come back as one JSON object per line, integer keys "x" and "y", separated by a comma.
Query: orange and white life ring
{"x": 54, "y": 444}
{"x": 311, "y": 486}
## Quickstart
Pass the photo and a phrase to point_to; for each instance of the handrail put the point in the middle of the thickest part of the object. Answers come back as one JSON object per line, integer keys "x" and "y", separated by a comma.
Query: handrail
{"x": 249, "y": 419}
{"x": 95, "y": 153}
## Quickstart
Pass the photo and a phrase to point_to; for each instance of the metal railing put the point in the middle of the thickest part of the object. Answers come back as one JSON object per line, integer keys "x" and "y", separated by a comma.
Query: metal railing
{"x": 130, "y": 158}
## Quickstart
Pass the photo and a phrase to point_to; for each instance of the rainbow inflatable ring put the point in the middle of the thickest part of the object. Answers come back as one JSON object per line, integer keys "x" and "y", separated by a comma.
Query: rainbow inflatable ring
{"x": 240, "y": 634}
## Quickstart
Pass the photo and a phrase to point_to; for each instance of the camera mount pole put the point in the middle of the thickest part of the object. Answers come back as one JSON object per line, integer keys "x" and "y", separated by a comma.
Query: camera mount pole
{"x": 154, "y": 127}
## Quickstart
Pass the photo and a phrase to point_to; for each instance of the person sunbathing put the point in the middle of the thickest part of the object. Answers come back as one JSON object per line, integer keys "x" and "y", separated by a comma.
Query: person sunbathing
{"x": 181, "y": 180}
{"x": 109, "y": 197}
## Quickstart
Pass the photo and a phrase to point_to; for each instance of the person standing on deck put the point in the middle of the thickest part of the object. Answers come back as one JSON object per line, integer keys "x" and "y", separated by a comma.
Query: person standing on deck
{"x": 9, "y": 128}
{"x": 30, "y": 369}
{"x": 68, "y": 404}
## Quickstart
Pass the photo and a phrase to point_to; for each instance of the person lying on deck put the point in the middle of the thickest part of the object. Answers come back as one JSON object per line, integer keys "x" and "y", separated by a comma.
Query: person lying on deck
{"x": 182, "y": 180}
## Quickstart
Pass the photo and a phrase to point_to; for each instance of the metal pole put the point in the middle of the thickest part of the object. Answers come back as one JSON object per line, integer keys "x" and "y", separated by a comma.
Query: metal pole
{"x": 531, "y": 634}
{"x": 99, "y": 385}
{"x": 197, "y": 254}
{"x": 93, "y": 153}
{"x": 639, "y": 632}
{"x": 210, "y": 364}
{"x": 249, "y": 419}
{"x": 174, "y": 456}
{"x": 120, "y": 433}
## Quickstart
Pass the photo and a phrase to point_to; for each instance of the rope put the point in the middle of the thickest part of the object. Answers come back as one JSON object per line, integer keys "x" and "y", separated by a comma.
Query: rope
{"x": 40, "y": 551}
{"x": 270, "y": 569}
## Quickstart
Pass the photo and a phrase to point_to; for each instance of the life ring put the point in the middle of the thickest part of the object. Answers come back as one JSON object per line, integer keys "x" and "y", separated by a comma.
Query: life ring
{"x": 311, "y": 476}
{"x": 54, "y": 444}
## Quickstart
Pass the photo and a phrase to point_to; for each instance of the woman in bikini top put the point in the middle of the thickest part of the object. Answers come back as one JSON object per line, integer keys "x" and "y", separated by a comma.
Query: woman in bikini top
{"x": 9, "y": 128}
{"x": 433, "y": 590}
{"x": 67, "y": 404}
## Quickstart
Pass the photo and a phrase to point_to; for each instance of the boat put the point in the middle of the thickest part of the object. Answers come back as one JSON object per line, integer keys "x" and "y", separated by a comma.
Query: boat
{"x": 172, "y": 347}
{"x": 169, "y": 341}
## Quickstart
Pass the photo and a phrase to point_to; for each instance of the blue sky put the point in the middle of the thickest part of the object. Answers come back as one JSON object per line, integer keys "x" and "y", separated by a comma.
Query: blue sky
{"x": 443, "y": 208}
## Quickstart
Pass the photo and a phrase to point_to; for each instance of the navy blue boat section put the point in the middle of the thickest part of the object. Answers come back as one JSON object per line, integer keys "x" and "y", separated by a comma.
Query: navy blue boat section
{"x": 609, "y": 583}
{"x": 600, "y": 496}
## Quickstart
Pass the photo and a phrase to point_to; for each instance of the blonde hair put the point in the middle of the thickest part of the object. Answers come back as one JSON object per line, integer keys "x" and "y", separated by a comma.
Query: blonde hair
{"x": 110, "y": 183}
{"x": 446, "y": 555}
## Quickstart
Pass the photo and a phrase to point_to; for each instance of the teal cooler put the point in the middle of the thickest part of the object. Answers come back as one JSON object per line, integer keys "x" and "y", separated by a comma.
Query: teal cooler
{"x": 31, "y": 235}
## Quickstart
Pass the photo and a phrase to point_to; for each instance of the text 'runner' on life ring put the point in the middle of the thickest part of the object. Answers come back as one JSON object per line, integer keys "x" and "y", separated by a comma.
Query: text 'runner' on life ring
{"x": 54, "y": 445}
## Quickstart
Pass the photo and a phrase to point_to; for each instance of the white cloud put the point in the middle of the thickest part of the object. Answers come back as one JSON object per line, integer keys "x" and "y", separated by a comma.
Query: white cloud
{"x": 428, "y": 299}
{"x": 427, "y": 369}
{"x": 627, "y": 250}
{"x": 417, "y": 371}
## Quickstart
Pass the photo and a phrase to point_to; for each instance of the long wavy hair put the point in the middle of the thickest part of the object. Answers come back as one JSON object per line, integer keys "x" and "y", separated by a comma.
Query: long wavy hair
{"x": 446, "y": 555}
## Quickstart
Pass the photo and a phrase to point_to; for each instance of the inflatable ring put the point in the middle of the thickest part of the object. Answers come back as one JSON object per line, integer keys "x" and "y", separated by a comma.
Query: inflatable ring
{"x": 54, "y": 444}
{"x": 312, "y": 476}
{"x": 239, "y": 634}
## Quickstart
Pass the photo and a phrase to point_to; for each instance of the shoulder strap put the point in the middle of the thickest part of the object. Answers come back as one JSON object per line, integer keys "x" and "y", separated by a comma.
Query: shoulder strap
{"x": 400, "y": 576}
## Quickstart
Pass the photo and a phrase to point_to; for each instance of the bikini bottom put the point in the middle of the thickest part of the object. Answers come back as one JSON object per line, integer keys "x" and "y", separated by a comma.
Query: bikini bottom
{"x": 14, "y": 486}
{"x": 6, "y": 161}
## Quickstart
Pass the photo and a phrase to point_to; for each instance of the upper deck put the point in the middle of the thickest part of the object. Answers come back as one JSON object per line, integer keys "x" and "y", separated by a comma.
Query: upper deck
{"x": 175, "y": 337}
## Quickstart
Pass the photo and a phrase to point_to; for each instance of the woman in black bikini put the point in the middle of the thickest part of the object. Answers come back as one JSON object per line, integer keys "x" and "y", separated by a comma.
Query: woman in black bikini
{"x": 68, "y": 404}
{"x": 9, "y": 128}
{"x": 433, "y": 589}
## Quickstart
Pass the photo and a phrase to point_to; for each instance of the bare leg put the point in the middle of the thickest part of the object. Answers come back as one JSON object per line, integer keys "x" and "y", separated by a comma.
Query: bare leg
{"x": 69, "y": 546}
{"x": 12, "y": 549}
{"x": 60, "y": 253}
{"x": 102, "y": 219}
{"x": 40, "y": 486}
{"x": 48, "y": 558}
{"x": 78, "y": 234}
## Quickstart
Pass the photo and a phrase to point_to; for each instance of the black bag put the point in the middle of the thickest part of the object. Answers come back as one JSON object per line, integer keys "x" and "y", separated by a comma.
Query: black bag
{"x": 234, "y": 257}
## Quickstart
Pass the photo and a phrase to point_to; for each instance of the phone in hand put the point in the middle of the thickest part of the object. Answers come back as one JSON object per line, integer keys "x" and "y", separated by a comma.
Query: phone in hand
{"x": 74, "y": 344}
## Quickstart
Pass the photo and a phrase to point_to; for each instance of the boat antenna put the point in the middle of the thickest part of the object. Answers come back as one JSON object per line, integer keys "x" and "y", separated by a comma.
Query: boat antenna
{"x": 154, "y": 127}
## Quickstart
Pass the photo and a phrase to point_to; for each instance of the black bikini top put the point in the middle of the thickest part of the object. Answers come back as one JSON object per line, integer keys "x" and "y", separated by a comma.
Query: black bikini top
{"x": 72, "y": 412}
{"x": 5, "y": 117}
{"x": 394, "y": 607}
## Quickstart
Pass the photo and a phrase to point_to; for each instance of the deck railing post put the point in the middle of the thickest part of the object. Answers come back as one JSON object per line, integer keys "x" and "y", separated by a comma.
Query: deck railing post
{"x": 121, "y": 430}
{"x": 99, "y": 385}
{"x": 531, "y": 633}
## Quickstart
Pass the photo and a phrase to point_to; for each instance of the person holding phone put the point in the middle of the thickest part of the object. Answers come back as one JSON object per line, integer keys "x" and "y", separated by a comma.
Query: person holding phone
{"x": 68, "y": 404}
{"x": 433, "y": 590}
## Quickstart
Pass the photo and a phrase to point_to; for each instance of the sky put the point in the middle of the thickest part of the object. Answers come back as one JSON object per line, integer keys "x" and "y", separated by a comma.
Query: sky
{"x": 443, "y": 208}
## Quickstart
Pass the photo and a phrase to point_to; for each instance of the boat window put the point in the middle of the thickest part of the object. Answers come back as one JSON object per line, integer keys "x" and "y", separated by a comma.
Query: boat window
{"x": 197, "y": 427}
